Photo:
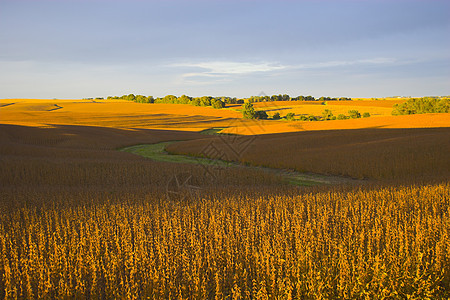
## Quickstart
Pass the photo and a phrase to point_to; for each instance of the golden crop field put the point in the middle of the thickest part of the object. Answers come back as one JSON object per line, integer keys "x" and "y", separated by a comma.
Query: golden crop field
{"x": 389, "y": 242}
{"x": 113, "y": 113}
{"x": 259, "y": 127}
{"x": 374, "y": 107}
{"x": 125, "y": 114}
{"x": 80, "y": 219}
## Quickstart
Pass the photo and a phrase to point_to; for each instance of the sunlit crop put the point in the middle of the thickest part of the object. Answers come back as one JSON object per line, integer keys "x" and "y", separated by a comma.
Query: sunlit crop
{"x": 356, "y": 243}
{"x": 80, "y": 219}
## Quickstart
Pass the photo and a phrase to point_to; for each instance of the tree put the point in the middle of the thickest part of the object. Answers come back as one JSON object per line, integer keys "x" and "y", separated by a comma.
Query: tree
{"x": 249, "y": 111}
{"x": 140, "y": 99}
{"x": 216, "y": 103}
{"x": 261, "y": 114}
{"x": 327, "y": 114}
{"x": 184, "y": 99}
{"x": 286, "y": 97}
{"x": 354, "y": 114}
{"x": 290, "y": 116}
{"x": 276, "y": 116}
{"x": 170, "y": 99}
{"x": 205, "y": 101}
{"x": 228, "y": 100}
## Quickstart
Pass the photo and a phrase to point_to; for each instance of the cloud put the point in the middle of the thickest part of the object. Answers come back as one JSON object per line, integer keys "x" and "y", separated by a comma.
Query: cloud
{"x": 217, "y": 68}
{"x": 331, "y": 64}
{"x": 224, "y": 71}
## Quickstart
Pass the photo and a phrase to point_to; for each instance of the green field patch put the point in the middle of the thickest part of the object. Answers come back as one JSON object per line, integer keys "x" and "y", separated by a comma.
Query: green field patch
{"x": 157, "y": 152}
{"x": 213, "y": 131}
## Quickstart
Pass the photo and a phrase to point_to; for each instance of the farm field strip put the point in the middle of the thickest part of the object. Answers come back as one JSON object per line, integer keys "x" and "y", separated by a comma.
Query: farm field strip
{"x": 380, "y": 122}
{"x": 318, "y": 109}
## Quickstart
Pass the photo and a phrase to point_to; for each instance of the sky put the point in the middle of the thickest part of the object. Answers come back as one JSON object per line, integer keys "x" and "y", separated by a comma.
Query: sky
{"x": 70, "y": 49}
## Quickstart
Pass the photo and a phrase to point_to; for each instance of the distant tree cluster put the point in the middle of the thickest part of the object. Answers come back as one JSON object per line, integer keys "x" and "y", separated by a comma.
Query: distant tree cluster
{"x": 197, "y": 101}
{"x": 286, "y": 97}
{"x": 134, "y": 98}
{"x": 422, "y": 106}
{"x": 220, "y": 102}
{"x": 215, "y": 102}
{"x": 249, "y": 112}
{"x": 328, "y": 115}
{"x": 97, "y": 98}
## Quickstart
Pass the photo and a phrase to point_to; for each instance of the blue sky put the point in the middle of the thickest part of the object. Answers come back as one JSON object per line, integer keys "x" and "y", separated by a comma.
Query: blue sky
{"x": 367, "y": 48}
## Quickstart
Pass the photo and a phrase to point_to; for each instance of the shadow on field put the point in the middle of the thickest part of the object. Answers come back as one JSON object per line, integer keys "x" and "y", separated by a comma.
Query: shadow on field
{"x": 391, "y": 154}
{"x": 88, "y": 137}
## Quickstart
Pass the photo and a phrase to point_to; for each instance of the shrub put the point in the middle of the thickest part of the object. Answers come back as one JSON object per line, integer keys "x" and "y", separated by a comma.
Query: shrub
{"x": 312, "y": 118}
{"x": 366, "y": 115}
{"x": 341, "y": 117}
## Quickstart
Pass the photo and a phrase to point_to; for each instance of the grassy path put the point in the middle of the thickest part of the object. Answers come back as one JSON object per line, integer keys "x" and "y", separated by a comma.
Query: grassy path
{"x": 157, "y": 152}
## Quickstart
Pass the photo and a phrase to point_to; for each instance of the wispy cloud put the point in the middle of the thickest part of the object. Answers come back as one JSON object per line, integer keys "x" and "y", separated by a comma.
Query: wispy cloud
{"x": 205, "y": 73}
{"x": 343, "y": 63}
{"x": 219, "y": 69}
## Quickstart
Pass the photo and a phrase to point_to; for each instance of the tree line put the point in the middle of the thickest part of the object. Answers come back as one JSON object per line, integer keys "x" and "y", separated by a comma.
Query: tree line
{"x": 422, "y": 106}
{"x": 219, "y": 102}
{"x": 286, "y": 97}
{"x": 215, "y": 102}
